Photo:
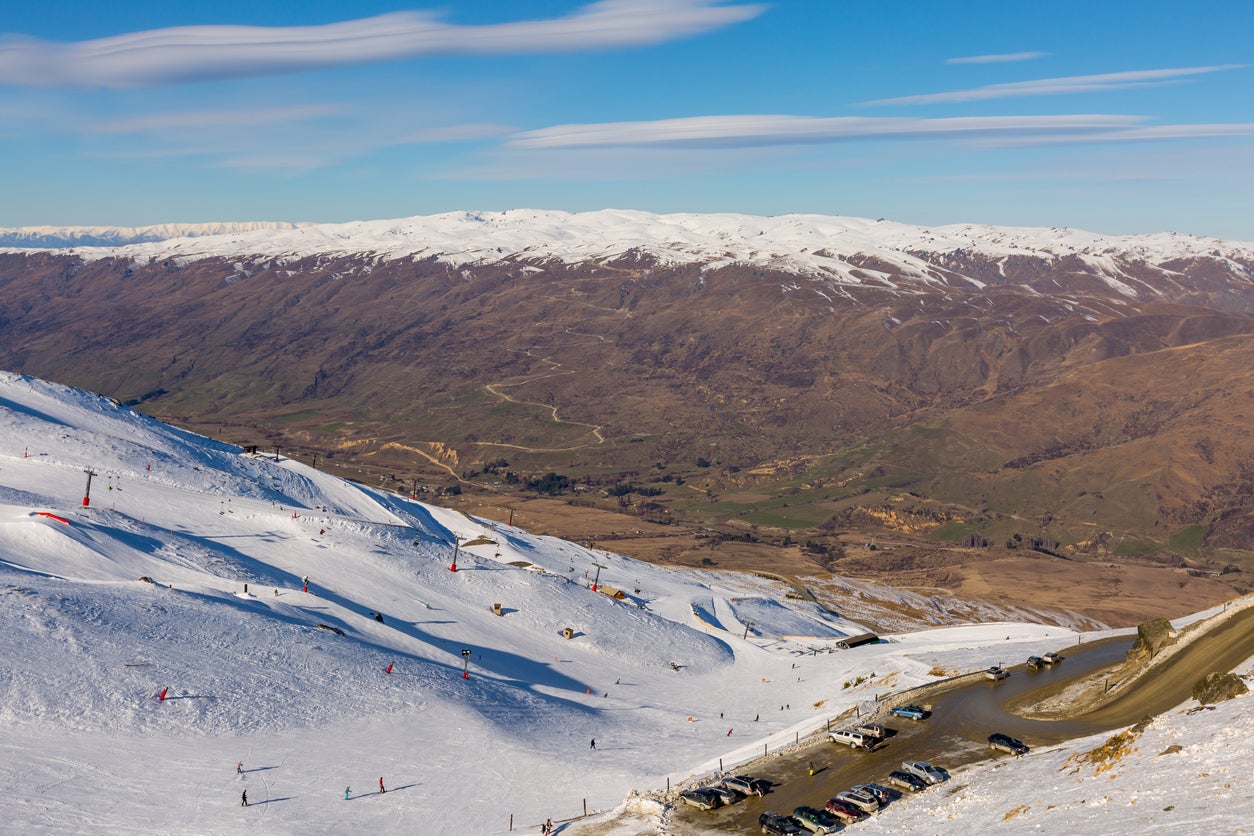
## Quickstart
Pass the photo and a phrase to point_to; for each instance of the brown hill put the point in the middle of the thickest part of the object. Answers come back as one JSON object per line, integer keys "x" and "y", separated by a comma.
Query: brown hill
{"x": 1018, "y": 398}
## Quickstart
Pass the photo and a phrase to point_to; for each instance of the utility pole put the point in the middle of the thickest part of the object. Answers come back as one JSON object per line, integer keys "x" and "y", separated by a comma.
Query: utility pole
{"x": 87, "y": 494}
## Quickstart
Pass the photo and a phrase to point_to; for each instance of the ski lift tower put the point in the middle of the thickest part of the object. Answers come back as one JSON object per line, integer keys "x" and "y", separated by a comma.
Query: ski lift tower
{"x": 87, "y": 493}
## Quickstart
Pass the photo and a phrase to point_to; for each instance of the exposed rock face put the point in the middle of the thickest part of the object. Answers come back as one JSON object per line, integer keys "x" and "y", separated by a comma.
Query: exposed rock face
{"x": 1151, "y": 637}
{"x": 1217, "y": 687}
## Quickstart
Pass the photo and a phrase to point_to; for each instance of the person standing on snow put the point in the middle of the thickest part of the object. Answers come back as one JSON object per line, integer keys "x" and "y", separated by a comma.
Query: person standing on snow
{"x": 243, "y": 799}
{"x": 381, "y": 789}
{"x": 347, "y": 790}
{"x": 593, "y": 744}
{"x": 239, "y": 767}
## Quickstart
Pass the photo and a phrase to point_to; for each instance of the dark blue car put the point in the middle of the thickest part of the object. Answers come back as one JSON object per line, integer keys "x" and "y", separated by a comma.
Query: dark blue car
{"x": 910, "y": 712}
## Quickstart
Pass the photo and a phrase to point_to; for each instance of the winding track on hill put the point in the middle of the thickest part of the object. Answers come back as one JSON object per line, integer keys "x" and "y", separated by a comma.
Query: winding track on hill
{"x": 967, "y": 713}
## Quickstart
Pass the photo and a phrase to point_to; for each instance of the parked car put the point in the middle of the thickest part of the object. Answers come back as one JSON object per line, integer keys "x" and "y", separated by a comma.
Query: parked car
{"x": 924, "y": 770}
{"x": 745, "y": 785}
{"x": 1051, "y": 658}
{"x": 702, "y": 799}
{"x": 1007, "y": 744}
{"x": 874, "y": 730}
{"x": 777, "y": 824}
{"x": 726, "y": 795}
{"x": 816, "y": 820}
{"x": 906, "y": 780}
{"x": 996, "y": 673}
{"x": 865, "y": 802}
{"x": 844, "y": 811}
{"x": 881, "y": 794}
{"x": 910, "y": 712}
{"x": 1035, "y": 663}
{"x": 854, "y": 739}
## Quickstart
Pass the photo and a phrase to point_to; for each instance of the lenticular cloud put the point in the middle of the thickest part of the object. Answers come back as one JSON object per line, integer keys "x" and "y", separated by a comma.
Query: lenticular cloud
{"x": 198, "y": 53}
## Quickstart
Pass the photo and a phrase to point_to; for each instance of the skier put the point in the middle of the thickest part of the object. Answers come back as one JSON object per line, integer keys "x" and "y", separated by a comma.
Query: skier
{"x": 243, "y": 799}
{"x": 593, "y": 744}
{"x": 729, "y": 731}
{"x": 347, "y": 790}
{"x": 381, "y": 789}
{"x": 239, "y": 767}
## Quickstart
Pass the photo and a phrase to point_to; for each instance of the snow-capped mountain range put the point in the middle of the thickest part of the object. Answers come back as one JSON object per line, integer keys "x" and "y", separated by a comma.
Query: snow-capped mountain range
{"x": 805, "y": 244}
{"x": 57, "y": 237}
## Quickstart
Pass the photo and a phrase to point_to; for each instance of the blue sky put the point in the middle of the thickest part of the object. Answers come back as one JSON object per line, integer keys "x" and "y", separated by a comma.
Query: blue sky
{"x": 1116, "y": 116}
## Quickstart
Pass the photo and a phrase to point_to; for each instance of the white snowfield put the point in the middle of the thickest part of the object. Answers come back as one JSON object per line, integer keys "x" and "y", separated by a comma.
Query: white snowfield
{"x": 184, "y": 575}
{"x": 823, "y": 245}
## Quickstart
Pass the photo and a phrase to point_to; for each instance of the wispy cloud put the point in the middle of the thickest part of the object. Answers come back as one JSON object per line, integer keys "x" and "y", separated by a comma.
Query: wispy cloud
{"x": 1141, "y": 133}
{"x": 215, "y": 119}
{"x": 1003, "y": 58}
{"x": 299, "y": 137}
{"x": 198, "y": 53}
{"x": 767, "y": 130}
{"x": 1060, "y": 86}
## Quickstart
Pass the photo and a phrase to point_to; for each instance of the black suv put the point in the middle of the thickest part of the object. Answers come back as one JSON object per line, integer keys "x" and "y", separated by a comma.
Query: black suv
{"x": 1007, "y": 744}
{"x": 778, "y": 824}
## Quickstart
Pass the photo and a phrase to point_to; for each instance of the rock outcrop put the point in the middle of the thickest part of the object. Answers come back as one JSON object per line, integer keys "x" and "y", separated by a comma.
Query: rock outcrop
{"x": 1217, "y": 687}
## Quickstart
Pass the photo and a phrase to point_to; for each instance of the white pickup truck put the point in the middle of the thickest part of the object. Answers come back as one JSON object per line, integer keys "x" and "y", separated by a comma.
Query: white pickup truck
{"x": 853, "y": 738}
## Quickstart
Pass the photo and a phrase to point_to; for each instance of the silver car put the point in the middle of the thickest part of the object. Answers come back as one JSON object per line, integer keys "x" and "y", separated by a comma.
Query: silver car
{"x": 864, "y": 801}
{"x": 702, "y": 799}
{"x": 925, "y": 771}
{"x": 745, "y": 785}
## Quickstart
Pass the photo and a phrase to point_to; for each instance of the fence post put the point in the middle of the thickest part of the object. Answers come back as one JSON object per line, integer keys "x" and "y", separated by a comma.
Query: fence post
{"x": 511, "y": 822}
{"x": 764, "y": 750}
{"x": 720, "y": 764}
{"x": 668, "y": 783}
{"x": 797, "y": 735}
{"x": 585, "y": 808}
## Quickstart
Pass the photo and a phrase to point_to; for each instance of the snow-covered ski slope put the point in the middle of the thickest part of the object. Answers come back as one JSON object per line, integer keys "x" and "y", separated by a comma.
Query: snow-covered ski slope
{"x": 104, "y": 607}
